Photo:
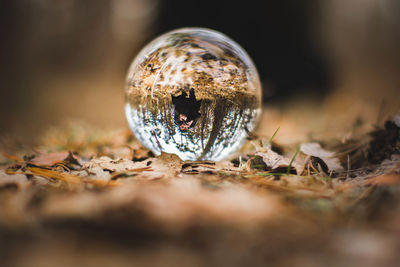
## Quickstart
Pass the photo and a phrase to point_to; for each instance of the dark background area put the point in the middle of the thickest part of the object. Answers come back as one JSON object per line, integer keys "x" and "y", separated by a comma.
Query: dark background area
{"x": 278, "y": 35}
{"x": 68, "y": 59}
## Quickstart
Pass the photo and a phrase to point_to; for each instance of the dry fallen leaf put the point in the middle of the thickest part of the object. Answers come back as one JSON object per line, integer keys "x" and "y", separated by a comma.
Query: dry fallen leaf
{"x": 103, "y": 167}
{"x": 328, "y": 157}
{"x": 49, "y": 159}
{"x": 273, "y": 160}
{"x": 106, "y": 168}
{"x": 62, "y": 176}
{"x": 385, "y": 179}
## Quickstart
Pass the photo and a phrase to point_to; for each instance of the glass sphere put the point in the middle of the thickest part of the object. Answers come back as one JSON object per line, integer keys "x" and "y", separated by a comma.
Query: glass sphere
{"x": 193, "y": 92}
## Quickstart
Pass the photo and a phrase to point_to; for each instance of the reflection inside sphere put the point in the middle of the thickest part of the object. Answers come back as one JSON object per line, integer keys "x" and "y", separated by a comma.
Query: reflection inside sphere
{"x": 186, "y": 110}
{"x": 193, "y": 129}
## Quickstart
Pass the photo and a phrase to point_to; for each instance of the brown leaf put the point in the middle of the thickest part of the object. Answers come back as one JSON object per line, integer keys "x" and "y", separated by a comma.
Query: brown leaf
{"x": 65, "y": 177}
{"x": 101, "y": 168}
{"x": 274, "y": 160}
{"x": 163, "y": 167}
{"x": 209, "y": 167}
{"x": 328, "y": 157}
{"x": 105, "y": 168}
{"x": 49, "y": 159}
{"x": 385, "y": 179}
{"x": 141, "y": 154}
{"x": 13, "y": 157}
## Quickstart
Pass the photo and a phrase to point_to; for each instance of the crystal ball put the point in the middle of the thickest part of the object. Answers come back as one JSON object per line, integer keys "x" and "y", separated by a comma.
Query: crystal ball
{"x": 193, "y": 92}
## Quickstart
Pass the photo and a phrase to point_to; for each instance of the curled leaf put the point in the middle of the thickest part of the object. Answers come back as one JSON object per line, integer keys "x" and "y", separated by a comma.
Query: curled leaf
{"x": 328, "y": 158}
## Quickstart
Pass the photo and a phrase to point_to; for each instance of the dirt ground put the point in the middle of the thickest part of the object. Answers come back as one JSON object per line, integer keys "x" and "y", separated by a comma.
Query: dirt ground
{"x": 303, "y": 191}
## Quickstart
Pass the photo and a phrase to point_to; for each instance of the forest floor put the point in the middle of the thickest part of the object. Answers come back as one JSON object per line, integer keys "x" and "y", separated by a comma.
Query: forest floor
{"x": 90, "y": 197}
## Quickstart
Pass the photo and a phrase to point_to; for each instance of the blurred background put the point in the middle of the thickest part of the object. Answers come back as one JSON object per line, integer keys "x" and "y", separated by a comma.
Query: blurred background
{"x": 68, "y": 59}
